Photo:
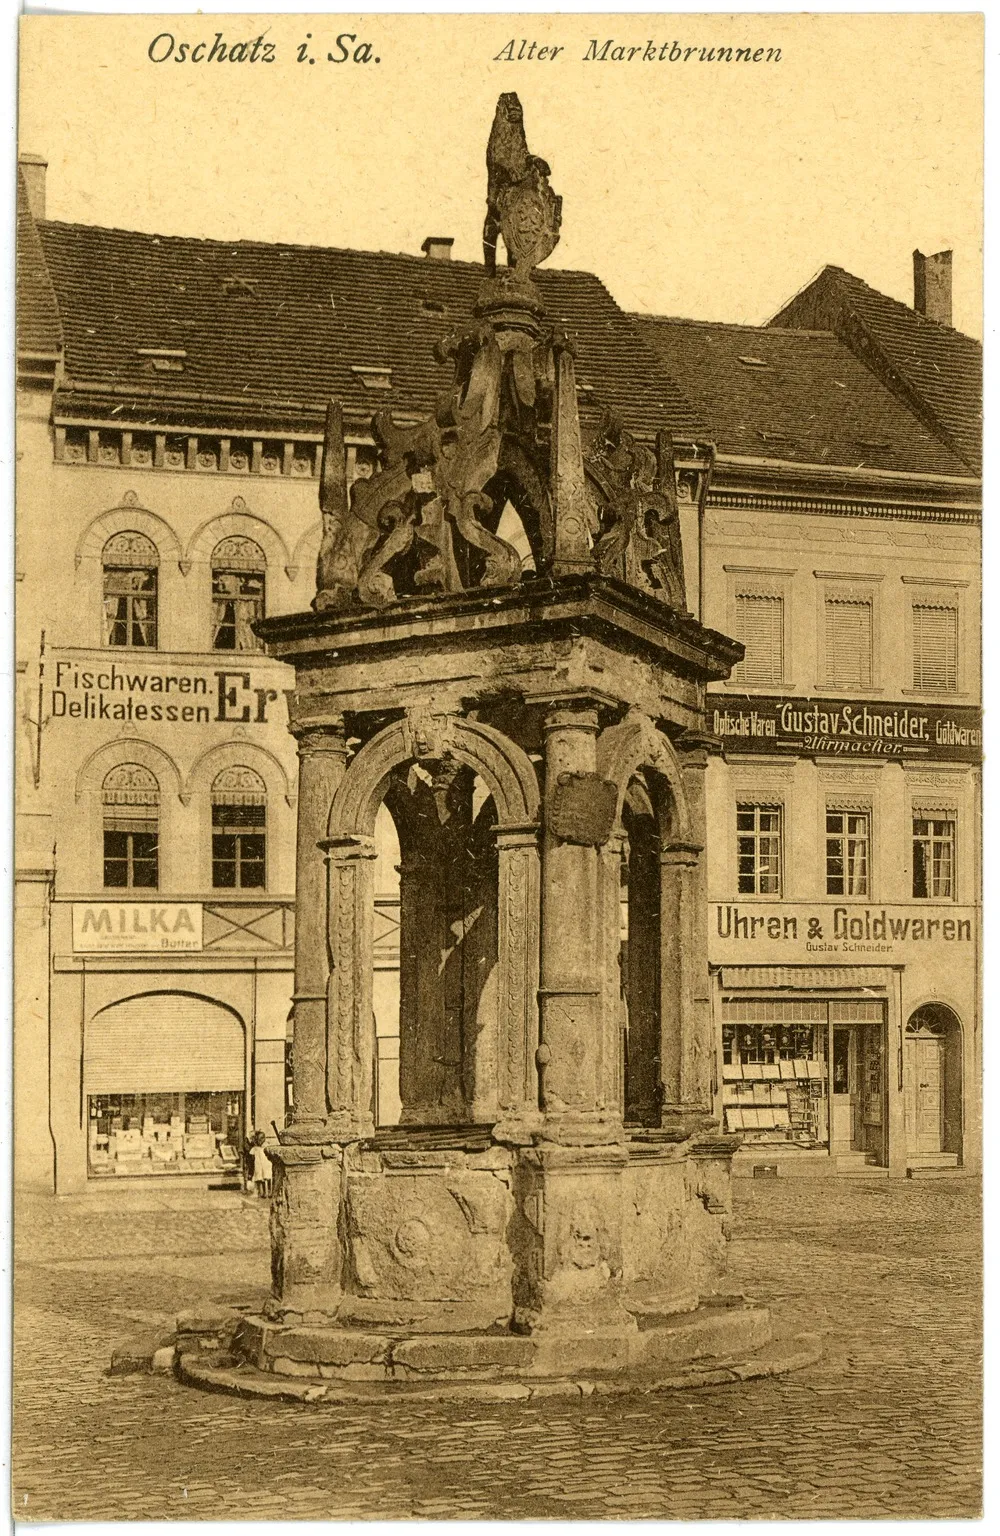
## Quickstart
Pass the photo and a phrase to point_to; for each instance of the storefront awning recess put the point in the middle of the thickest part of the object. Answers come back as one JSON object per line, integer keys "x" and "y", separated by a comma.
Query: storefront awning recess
{"x": 822, "y": 978}
{"x": 164, "y": 1043}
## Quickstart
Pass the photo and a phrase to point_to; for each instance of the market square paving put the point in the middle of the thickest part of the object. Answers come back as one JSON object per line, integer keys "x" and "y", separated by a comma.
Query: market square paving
{"x": 886, "y": 1425}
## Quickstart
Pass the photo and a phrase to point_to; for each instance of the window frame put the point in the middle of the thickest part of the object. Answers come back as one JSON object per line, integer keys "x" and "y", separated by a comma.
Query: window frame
{"x": 131, "y": 858}
{"x": 238, "y": 803}
{"x": 925, "y": 591}
{"x": 248, "y": 568}
{"x": 239, "y": 835}
{"x": 150, "y": 594}
{"x": 136, "y": 807}
{"x": 767, "y": 584}
{"x": 756, "y": 834}
{"x": 847, "y": 811}
{"x": 933, "y": 815}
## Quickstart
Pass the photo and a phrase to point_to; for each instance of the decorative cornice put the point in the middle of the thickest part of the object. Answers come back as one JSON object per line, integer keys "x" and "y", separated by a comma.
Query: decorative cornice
{"x": 724, "y": 499}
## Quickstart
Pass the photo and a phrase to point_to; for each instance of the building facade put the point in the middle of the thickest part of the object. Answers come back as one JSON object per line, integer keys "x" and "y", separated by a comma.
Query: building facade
{"x": 170, "y": 426}
{"x": 841, "y": 545}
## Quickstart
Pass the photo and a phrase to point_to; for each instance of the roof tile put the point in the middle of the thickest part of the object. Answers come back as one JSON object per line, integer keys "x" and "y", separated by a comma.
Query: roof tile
{"x": 795, "y": 395}
{"x": 938, "y": 369}
{"x": 280, "y": 324}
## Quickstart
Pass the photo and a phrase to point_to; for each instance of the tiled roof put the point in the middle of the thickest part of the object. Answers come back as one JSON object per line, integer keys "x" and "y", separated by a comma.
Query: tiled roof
{"x": 795, "y": 395}
{"x": 278, "y": 327}
{"x": 936, "y": 369}
{"x": 38, "y": 327}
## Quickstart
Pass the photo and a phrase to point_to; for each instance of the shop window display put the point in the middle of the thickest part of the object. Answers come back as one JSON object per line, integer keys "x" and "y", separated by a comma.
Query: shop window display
{"x": 135, "y": 1134}
{"x": 775, "y": 1072}
{"x": 778, "y": 1058}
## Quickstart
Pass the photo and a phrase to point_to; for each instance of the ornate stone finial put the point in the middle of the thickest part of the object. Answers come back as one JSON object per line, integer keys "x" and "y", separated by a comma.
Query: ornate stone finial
{"x": 520, "y": 204}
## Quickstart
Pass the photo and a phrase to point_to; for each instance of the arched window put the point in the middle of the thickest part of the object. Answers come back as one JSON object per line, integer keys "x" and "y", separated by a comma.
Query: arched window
{"x": 239, "y": 831}
{"x": 131, "y": 567}
{"x": 131, "y": 800}
{"x": 238, "y": 571}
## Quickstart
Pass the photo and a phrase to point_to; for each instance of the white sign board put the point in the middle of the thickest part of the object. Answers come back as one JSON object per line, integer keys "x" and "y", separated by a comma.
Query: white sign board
{"x": 101, "y": 927}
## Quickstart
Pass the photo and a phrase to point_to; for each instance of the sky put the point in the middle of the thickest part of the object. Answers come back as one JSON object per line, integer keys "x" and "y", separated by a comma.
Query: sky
{"x": 691, "y": 187}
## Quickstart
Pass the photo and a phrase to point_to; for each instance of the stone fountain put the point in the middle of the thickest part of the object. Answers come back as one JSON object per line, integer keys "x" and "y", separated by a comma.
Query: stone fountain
{"x": 551, "y": 1212}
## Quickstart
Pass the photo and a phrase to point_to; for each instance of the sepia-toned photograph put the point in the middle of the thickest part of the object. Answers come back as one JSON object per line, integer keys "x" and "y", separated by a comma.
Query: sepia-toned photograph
{"x": 497, "y": 1026}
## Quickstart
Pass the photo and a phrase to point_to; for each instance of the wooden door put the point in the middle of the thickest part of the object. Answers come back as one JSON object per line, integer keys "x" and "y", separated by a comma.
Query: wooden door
{"x": 925, "y": 1082}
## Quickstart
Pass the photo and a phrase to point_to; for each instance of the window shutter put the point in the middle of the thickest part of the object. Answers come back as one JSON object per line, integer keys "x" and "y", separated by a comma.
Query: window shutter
{"x": 760, "y": 624}
{"x": 849, "y": 641}
{"x": 935, "y": 647}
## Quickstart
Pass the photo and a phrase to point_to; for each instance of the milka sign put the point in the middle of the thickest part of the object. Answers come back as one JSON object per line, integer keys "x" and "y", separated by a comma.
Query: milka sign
{"x": 99, "y": 927}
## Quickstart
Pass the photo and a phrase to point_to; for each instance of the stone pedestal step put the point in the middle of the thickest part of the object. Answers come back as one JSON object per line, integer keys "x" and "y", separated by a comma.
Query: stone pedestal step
{"x": 716, "y": 1329}
{"x": 222, "y": 1373}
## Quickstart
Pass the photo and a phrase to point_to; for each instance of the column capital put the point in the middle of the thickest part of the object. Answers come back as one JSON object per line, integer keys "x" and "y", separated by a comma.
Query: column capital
{"x": 319, "y": 733}
{"x": 695, "y": 747}
{"x": 681, "y": 853}
{"x": 574, "y": 709}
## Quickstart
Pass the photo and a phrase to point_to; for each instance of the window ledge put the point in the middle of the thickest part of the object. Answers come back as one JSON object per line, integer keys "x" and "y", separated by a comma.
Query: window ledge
{"x": 844, "y": 690}
{"x": 945, "y": 696}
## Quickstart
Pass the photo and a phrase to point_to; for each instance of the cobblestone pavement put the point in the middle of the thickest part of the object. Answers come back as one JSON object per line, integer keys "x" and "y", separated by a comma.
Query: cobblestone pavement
{"x": 886, "y": 1425}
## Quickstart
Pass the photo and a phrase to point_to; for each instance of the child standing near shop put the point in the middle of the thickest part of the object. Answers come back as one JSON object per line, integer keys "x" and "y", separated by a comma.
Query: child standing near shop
{"x": 261, "y": 1167}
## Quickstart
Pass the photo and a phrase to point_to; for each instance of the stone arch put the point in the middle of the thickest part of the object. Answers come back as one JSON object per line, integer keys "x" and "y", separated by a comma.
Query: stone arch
{"x": 499, "y": 1066}
{"x": 238, "y": 521}
{"x": 234, "y": 754}
{"x": 129, "y": 514}
{"x": 126, "y": 749}
{"x": 503, "y": 766}
{"x": 634, "y": 744}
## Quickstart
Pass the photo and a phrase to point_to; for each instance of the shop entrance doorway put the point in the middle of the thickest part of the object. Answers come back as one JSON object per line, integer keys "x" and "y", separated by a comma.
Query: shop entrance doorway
{"x": 846, "y": 1135}
{"x": 932, "y": 1085}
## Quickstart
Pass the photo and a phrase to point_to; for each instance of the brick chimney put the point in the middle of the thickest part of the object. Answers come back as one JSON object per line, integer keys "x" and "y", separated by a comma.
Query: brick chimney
{"x": 932, "y": 286}
{"x": 33, "y": 168}
{"x": 437, "y": 247}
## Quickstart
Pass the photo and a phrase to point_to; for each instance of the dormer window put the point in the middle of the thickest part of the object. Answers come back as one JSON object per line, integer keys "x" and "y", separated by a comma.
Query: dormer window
{"x": 372, "y": 376}
{"x": 164, "y": 359}
{"x": 239, "y": 288}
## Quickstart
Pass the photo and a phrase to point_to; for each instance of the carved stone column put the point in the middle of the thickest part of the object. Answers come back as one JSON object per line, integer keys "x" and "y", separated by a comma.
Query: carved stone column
{"x": 698, "y": 1054}
{"x": 305, "y": 1248}
{"x": 687, "y": 1046}
{"x": 613, "y": 1005}
{"x": 574, "y": 1049}
{"x": 322, "y": 764}
{"x": 350, "y": 1019}
{"x": 678, "y": 861}
{"x": 517, "y": 1097}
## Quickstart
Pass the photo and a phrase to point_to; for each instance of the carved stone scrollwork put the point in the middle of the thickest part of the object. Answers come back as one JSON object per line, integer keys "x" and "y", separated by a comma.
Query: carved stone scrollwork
{"x": 350, "y": 1020}
{"x": 639, "y": 539}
